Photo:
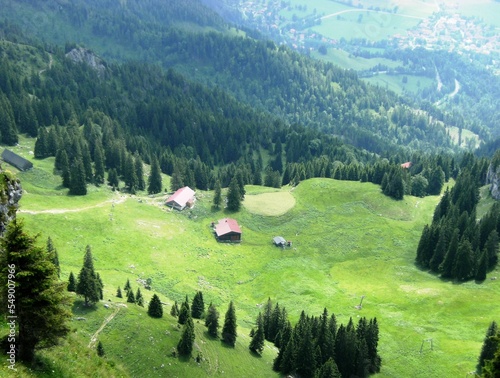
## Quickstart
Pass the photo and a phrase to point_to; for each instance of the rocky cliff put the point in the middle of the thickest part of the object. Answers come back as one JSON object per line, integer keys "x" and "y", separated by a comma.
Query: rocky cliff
{"x": 81, "y": 55}
{"x": 493, "y": 178}
{"x": 10, "y": 194}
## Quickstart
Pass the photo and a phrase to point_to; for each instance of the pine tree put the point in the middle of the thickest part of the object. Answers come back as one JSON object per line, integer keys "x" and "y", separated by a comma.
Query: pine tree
{"x": 184, "y": 313}
{"x": 42, "y": 305}
{"x": 217, "y": 194}
{"x": 229, "y": 329}
{"x": 176, "y": 181}
{"x": 119, "y": 293}
{"x": 212, "y": 320}
{"x": 130, "y": 296}
{"x": 100, "y": 349}
{"x": 329, "y": 370}
{"x": 198, "y": 306}
{"x": 492, "y": 367}
{"x": 139, "y": 172}
{"x": 233, "y": 196}
{"x": 490, "y": 345}
{"x": 88, "y": 285}
{"x": 101, "y": 286}
{"x": 98, "y": 164}
{"x": 71, "y": 282}
{"x": 113, "y": 180}
{"x": 154, "y": 181}
{"x": 138, "y": 298}
{"x": 127, "y": 286}
{"x": 185, "y": 345}
{"x": 129, "y": 175}
{"x": 52, "y": 251}
{"x": 78, "y": 185}
{"x": 174, "y": 311}
{"x": 463, "y": 267}
{"x": 482, "y": 266}
{"x": 155, "y": 309}
{"x": 257, "y": 342}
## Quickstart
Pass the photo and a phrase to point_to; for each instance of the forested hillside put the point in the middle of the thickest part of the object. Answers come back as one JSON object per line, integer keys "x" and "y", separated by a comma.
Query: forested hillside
{"x": 258, "y": 73}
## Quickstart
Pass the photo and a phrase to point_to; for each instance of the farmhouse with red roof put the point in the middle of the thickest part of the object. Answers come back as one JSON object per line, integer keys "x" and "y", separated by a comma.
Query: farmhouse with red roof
{"x": 227, "y": 231}
{"x": 181, "y": 198}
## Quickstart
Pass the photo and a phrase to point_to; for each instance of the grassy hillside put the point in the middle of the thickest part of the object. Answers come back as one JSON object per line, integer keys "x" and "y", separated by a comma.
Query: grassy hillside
{"x": 348, "y": 241}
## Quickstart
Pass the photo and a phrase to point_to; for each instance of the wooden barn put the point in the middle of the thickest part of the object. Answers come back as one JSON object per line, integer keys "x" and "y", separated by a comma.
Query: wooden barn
{"x": 227, "y": 230}
{"x": 15, "y": 160}
{"x": 182, "y": 198}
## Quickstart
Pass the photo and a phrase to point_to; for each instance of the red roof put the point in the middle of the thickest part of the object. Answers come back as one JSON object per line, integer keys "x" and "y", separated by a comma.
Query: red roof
{"x": 226, "y": 226}
{"x": 406, "y": 165}
{"x": 182, "y": 196}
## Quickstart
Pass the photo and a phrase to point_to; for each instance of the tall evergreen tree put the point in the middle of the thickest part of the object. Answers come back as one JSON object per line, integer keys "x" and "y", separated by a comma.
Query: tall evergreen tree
{"x": 176, "y": 181}
{"x": 100, "y": 349}
{"x": 113, "y": 179}
{"x": 139, "y": 172}
{"x": 138, "y": 298}
{"x": 42, "y": 305}
{"x": 88, "y": 285}
{"x": 155, "y": 309}
{"x": 131, "y": 297}
{"x": 233, "y": 196}
{"x": 52, "y": 251}
{"x": 185, "y": 345}
{"x": 463, "y": 267}
{"x": 184, "y": 313}
{"x": 129, "y": 174}
{"x": 99, "y": 164}
{"x": 154, "y": 180}
{"x": 492, "y": 367}
{"x": 257, "y": 342}
{"x": 490, "y": 345}
{"x": 71, "y": 282}
{"x": 119, "y": 293}
{"x": 212, "y": 320}
{"x": 174, "y": 311}
{"x": 229, "y": 333}
{"x": 217, "y": 194}
{"x": 78, "y": 186}
{"x": 329, "y": 370}
{"x": 198, "y": 306}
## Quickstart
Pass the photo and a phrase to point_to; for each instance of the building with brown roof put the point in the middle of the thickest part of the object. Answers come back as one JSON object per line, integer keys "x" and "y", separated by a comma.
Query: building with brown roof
{"x": 227, "y": 230}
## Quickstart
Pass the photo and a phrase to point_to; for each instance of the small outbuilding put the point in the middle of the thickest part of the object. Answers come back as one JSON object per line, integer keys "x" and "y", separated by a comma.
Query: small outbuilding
{"x": 182, "y": 198}
{"x": 15, "y": 160}
{"x": 279, "y": 241}
{"x": 227, "y": 230}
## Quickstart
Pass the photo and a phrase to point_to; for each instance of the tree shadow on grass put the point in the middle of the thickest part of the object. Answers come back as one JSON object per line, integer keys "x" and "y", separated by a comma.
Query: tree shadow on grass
{"x": 255, "y": 354}
{"x": 79, "y": 308}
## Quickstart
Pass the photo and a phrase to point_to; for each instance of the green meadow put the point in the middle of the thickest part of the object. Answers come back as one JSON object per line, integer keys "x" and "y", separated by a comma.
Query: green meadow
{"x": 348, "y": 241}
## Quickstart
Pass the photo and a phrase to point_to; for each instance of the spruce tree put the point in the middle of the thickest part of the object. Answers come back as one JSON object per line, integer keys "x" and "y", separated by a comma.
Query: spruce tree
{"x": 217, "y": 194}
{"x": 492, "y": 367}
{"x": 130, "y": 296}
{"x": 99, "y": 164}
{"x": 113, "y": 180}
{"x": 127, "y": 286}
{"x": 138, "y": 298}
{"x": 139, "y": 172}
{"x": 52, "y": 251}
{"x": 233, "y": 196}
{"x": 119, "y": 293}
{"x": 229, "y": 328}
{"x": 198, "y": 306}
{"x": 78, "y": 185}
{"x": 101, "y": 286}
{"x": 176, "y": 182}
{"x": 329, "y": 370}
{"x": 42, "y": 305}
{"x": 184, "y": 313}
{"x": 257, "y": 342}
{"x": 71, "y": 282}
{"x": 154, "y": 180}
{"x": 88, "y": 285}
{"x": 185, "y": 345}
{"x": 490, "y": 345}
{"x": 155, "y": 309}
{"x": 100, "y": 349}
{"x": 174, "y": 311}
{"x": 463, "y": 267}
{"x": 212, "y": 320}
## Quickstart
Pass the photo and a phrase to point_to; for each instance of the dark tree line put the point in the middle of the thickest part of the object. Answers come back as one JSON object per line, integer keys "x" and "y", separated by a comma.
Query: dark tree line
{"x": 316, "y": 345}
{"x": 455, "y": 245}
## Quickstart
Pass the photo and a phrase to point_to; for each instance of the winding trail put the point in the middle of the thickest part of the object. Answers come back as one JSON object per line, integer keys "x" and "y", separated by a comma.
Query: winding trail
{"x": 75, "y": 210}
{"x": 93, "y": 338}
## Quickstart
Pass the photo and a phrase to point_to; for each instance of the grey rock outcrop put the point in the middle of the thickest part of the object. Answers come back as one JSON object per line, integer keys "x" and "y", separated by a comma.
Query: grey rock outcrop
{"x": 493, "y": 178}
{"x": 81, "y": 55}
{"x": 10, "y": 194}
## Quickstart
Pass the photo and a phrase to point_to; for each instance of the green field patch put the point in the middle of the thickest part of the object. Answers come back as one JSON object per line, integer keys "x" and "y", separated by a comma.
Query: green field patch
{"x": 270, "y": 204}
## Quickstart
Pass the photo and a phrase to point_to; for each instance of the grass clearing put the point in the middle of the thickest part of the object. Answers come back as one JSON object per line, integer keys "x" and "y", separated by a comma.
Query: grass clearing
{"x": 270, "y": 204}
{"x": 348, "y": 240}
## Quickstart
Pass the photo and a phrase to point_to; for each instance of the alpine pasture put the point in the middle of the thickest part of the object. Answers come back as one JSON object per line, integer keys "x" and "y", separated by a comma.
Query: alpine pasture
{"x": 348, "y": 241}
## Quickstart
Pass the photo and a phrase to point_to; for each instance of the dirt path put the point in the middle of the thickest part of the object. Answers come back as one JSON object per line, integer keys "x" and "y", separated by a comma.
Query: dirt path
{"x": 93, "y": 339}
{"x": 114, "y": 201}
{"x": 50, "y": 65}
